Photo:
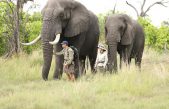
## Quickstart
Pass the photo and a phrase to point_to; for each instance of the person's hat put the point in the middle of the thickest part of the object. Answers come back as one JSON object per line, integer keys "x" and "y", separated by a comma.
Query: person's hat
{"x": 101, "y": 46}
{"x": 65, "y": 42}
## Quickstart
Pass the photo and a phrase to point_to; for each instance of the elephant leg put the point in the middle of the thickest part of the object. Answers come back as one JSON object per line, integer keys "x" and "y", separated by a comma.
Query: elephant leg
{"x": 82, "y": 65}
{"x": 77, "y": 72}
{"x": 120, "y": 61}
{"x": 138, "y": 60}
{"x": 47, "y": 57}
{"x": 129, "y": 60}
{"x": 126, "y": 55}
{"x": 58, "y": 64}
{"x": 92, "y": 59}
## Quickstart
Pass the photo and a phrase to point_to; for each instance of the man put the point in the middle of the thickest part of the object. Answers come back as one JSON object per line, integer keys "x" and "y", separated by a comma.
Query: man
{"x": 102, "y": 59}
{"x": 68, "y": 66}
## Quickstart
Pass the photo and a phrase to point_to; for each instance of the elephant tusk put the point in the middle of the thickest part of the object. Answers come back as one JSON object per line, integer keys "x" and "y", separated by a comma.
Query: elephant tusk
{"x": 33, "y": 42}
{"x": 56, "y": 40}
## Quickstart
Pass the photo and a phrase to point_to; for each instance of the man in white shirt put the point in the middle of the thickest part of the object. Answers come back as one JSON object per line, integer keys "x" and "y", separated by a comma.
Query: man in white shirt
{"x": 102, "y": 59}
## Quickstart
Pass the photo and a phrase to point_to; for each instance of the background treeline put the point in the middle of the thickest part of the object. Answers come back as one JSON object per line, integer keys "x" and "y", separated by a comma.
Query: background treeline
{"x": 30, "y": 27}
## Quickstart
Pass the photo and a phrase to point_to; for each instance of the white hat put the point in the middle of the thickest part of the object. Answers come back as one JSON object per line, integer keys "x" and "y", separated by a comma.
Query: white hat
{"x": 101, "y": 46}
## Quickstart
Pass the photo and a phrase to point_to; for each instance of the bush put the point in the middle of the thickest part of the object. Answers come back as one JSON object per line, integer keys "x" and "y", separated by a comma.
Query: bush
{"x": 31, "y": 30}
{"x": 157, "y": 38}
{"x": 30, "y": 26}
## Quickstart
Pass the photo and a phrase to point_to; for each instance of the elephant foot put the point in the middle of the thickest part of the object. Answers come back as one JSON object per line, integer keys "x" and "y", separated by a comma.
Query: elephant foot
{"x": 44, "y": 77}
{"x": 57, "y": 76}
{"x": 56, "y": 79}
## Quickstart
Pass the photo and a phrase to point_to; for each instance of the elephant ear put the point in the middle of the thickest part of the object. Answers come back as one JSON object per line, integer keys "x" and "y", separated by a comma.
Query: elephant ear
{"x": 128, "y": 34}
{"x": 78, "y": 22}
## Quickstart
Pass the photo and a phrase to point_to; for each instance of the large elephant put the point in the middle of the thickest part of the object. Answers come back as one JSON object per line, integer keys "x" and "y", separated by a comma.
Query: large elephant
{"x": 67, "y": 20}
{"x": 125, "y": 36}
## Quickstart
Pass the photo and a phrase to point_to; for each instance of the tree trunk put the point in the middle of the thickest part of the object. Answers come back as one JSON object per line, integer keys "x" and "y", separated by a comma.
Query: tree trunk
{"x": 16, "y": 32}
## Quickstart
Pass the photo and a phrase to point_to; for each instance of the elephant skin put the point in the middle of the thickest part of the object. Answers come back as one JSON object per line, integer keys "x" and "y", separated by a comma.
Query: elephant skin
{"x": 124, "y": 36}
{"x": 68, "y": 20}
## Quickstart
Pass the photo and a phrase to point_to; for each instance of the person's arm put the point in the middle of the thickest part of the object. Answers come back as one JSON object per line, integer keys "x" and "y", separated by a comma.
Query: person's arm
{"x": 71, "y": 56}
{"x": 60, "y": 53}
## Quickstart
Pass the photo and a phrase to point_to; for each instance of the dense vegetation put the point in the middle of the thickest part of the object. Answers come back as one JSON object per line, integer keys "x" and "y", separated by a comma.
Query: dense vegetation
{"x": 156, "y": 37}
{"x": 30, "y": 26}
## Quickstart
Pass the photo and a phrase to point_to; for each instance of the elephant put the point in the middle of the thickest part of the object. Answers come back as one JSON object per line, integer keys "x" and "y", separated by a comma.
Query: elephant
{"x": 124, "y": 36}
{"x": 71, "y": 21}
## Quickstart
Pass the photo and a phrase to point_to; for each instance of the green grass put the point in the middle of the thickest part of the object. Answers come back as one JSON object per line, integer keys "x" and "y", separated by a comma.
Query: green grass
{"x": 21, "y": 86}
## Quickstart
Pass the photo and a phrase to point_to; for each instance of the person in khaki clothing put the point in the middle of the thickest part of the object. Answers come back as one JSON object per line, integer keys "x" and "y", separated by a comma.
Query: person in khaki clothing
{"x": 68, "y": 60}
{"x": 102, "y": 59}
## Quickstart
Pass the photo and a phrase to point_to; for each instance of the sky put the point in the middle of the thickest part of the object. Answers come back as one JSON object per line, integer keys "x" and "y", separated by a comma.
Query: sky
{"x": 157, "y": 14}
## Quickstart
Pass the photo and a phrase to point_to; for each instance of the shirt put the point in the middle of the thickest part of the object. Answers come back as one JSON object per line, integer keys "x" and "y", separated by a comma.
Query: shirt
{"x": 68, "y": 55}
{"x": 101, "y": 59}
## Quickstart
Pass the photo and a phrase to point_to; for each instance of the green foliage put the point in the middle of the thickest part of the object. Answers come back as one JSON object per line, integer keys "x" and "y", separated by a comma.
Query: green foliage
{"x": 32, "y": 28}
{"x": 150, "y": 31}
{"x": 5, "y": 32}
{"x": 2, "y": 41}
{"x": 157, "y": 38}
{"x": 163, "y": 38}
{"x": 101, "y": 18}
{"x": 2, "y": 46}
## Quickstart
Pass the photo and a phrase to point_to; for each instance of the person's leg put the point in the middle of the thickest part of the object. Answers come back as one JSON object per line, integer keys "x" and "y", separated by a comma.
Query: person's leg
{"x": 72, "y": 77}
{"x": 69, "y": 76}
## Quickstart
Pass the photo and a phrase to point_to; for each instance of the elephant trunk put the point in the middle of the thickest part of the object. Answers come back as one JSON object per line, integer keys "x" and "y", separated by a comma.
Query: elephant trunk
{"x": 47, "y": 58}
{"x": 47, "y": 49}
{"x": 112, "y": 56}
{"x": 50, "y": 36}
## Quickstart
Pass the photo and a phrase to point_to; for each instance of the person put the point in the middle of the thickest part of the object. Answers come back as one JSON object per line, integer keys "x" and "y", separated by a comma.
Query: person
{"x": 68, "y": 65}
{"x": 102, "y": 59}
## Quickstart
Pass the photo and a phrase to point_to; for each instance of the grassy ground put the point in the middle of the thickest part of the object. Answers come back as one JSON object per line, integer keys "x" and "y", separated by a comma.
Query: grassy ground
{"x": 21, "y": 86}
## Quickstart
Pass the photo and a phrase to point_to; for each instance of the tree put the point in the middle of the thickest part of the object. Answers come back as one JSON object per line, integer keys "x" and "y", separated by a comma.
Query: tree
{"x": 7, "y": 26}
{"x": 12, "y": 18}
{"x": 31, "y": 29}
{"x": 143, "y": 12}
{"x": 150, "y": 32}
{"x": 157, "y": 38}
{"x": 163, "y": 38}
{"x": 18, "y": 10}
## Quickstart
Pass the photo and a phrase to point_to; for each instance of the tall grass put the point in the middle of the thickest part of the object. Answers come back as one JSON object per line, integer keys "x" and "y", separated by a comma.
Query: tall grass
{"x": 21, "y": 86}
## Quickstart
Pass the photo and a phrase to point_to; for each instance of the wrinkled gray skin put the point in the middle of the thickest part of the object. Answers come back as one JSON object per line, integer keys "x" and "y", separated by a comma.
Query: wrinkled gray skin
{"x": 125, "y": 36}
{"x": 77, "y": 25}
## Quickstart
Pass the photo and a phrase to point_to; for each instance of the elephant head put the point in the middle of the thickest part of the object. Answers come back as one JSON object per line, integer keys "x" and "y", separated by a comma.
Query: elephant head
{"x": 118, "y": 30}
{"x": 61, "y": 18}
